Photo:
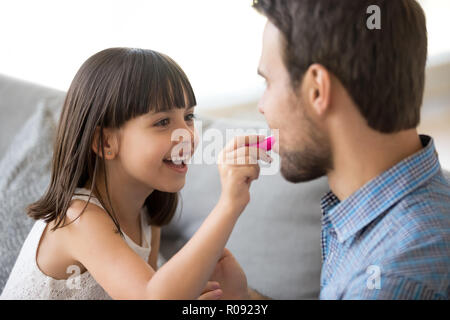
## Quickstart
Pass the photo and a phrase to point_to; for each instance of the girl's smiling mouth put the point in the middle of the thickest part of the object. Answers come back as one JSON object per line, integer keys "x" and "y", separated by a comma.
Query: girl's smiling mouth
{"x": 177, "y": 164}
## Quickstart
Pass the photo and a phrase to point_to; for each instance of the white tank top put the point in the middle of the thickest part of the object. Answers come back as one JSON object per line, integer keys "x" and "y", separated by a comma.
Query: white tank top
{"x": 27, "y": 281}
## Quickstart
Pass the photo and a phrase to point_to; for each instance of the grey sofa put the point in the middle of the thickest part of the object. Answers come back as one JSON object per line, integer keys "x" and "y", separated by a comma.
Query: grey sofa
{"x": 276, "y": 240}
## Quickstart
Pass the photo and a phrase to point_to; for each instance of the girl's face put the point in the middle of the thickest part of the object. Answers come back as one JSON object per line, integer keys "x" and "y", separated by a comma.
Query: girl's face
{"x": 147, "y": 141}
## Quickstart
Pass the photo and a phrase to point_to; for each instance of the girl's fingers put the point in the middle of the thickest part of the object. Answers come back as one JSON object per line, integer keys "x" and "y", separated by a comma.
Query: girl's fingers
{"x": 254, "y": 174}
{"x": 240, "y": 141}
{"x": 211, "y": 295}
{"x": 211, "y": 285}
{"x": 250, "y": 154}
{"x": 211, "y": 292}
{"x": 249, "y": 172}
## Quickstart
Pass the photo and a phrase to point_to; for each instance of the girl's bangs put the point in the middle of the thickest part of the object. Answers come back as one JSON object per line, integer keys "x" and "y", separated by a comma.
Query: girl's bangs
{"x": 162, "y": 86}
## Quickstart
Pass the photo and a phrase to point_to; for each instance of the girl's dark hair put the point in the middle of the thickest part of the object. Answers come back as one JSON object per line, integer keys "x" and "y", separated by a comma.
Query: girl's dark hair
{"x": 111, "y": 87}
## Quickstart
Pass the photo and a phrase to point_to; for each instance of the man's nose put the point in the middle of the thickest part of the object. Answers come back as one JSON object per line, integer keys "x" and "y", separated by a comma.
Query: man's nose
{"x": 260, "y": 108}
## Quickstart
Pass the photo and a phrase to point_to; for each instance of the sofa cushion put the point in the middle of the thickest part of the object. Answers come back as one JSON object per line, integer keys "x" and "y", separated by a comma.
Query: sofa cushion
{"x": 25, "y": 169}
{"x": 277, "y": 237}
{"x": 18, "y": 101}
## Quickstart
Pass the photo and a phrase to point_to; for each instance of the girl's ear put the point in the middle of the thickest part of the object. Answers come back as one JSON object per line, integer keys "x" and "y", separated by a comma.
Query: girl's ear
{"x": 109, "y": 143}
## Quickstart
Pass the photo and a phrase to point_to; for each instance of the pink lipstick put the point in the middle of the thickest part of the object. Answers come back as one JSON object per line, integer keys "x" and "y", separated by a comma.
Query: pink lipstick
{"x": 266, "y": 144}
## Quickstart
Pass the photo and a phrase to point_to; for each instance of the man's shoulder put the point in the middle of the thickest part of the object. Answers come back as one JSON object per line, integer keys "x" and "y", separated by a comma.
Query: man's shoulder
{"x": 427, "y": 207}
{"x": 418, "y": 243}
{"x": 415, "y": 227}
{"x": 409, "y": 243}
{"x": 422, "y": 217}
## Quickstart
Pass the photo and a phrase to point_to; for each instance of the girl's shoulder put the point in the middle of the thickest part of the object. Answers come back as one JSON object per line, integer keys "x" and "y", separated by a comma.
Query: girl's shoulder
{"x": 75, "y": 211}
{"x": 57, "y": 249}
{"x": 82, "y": 220}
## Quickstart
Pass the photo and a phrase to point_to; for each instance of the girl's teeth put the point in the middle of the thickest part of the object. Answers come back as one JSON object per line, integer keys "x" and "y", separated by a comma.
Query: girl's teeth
{"x": 177, "y": 160}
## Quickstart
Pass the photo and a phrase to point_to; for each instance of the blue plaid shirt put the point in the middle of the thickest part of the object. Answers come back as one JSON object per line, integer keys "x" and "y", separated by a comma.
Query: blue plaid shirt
{"x": 391, "y": 238}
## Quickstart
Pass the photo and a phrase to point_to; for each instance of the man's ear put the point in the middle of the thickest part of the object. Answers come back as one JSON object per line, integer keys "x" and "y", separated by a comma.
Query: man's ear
{"x": 318, "y": 88}
{"x": 110, "y": 143}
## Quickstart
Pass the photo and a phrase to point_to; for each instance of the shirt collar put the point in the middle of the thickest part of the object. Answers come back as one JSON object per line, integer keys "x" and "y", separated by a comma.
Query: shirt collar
{"x": 379, "y": 194}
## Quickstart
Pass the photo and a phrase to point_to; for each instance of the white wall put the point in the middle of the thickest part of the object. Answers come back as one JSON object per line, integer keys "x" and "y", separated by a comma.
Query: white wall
{"x": 217, "y": 43}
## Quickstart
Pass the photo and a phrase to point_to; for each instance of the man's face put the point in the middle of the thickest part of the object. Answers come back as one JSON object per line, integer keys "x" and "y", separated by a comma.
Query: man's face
{"x": 303, "y": 146}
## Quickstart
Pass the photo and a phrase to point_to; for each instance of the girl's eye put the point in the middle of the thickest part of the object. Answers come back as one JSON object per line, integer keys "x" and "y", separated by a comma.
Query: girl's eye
{"x": 166, "y": 122}
{"x": 162, "y": 123}
{"x": 190, "y": 117}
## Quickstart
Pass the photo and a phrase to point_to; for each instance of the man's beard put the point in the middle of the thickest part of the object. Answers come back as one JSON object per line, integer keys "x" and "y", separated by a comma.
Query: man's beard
{"x": 313, "y": 161}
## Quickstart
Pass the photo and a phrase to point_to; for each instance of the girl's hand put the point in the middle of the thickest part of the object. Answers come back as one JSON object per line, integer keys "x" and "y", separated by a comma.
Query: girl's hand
{"x": 212, "y": 291}
{"x": 231, "y": 278}
{"x": 238, "y": 167}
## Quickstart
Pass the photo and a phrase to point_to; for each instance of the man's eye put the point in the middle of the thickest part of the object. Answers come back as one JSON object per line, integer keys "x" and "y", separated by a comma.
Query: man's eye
{"x": 163, "y": 123}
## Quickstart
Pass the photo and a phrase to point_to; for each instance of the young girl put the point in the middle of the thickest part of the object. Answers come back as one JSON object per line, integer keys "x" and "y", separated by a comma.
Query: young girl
{"x": 114, "y": 183}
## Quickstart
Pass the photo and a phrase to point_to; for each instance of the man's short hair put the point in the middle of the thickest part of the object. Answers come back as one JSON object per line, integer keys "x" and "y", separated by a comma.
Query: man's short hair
{"x": 383, "y": 70}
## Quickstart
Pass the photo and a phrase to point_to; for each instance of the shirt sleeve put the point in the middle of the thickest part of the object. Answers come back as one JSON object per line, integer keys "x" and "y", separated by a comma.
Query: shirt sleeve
{"x": 389, "y": 287}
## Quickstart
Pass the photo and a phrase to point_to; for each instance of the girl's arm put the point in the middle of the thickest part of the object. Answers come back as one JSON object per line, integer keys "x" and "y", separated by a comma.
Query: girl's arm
{"x": 124, "y": 275}
{"x": 122, "y": 272}
{"x": 186, "y": 273}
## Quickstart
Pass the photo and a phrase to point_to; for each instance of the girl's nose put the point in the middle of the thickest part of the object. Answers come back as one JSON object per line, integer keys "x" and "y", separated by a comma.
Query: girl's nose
{"x": 185, "y": 133}
{"x": 185, "y": 141}
{"x": 192, "y": 135}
